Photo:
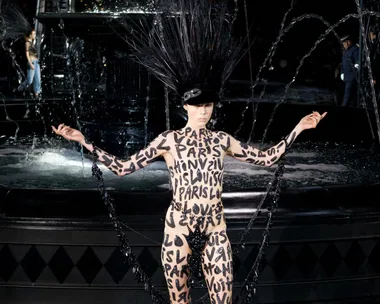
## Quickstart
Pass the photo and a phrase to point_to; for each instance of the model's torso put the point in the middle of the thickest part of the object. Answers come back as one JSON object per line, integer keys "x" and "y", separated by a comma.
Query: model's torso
{"x": 196, "y": 165}
{"x": 32, "y": 50}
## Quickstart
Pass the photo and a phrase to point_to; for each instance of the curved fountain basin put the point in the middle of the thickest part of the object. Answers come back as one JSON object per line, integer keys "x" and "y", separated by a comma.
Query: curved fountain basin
{"x": 56, "y": 237}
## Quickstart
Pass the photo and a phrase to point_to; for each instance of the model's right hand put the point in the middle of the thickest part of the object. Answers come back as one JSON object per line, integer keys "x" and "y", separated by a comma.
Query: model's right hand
{"x": 68, "y": 133}
{"x": 32, "y": 66}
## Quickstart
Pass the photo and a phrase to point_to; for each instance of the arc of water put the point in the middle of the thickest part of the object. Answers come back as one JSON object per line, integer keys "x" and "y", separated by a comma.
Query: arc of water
{"x": 7, "y": 117}
{"x": 320, "y": 39}
{"x": 253, "y": 275}
{"x": 167, "y": 108}
{"x": 124, "y": 243}
{"x": 249, "y": 50}
{"x": 254, "y": 110}
{"x": 269, "y": 56}
{"x": 368, "y": 61}
{"x": 236, "y": 11}
{"x": 146, "y": 112}
{"x": 20, "y": 76}
{"x": 73, "y": 101}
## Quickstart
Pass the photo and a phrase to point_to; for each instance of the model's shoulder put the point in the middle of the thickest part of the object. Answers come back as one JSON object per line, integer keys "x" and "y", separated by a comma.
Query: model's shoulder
{"x": 167, "y": 134}
{"x": 221, "y": 134}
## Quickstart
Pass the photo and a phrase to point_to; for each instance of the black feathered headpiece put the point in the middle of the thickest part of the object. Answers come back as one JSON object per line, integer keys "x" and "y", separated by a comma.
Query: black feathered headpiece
{"x": 13, "y": 23}
{"x": 188, "y": 46}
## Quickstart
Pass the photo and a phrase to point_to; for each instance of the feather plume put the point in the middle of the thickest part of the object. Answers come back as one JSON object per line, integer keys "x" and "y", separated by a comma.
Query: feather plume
{"x": 186, "y": 44}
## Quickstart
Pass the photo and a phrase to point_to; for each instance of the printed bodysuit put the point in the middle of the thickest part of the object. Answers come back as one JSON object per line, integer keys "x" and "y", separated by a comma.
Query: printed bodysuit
{"x": 195, "y": 160}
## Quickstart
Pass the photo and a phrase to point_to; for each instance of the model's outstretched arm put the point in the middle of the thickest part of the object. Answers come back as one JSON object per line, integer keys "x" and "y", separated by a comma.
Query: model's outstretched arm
{"x": 158, "y": 147}
{"x": 244, "y": 152}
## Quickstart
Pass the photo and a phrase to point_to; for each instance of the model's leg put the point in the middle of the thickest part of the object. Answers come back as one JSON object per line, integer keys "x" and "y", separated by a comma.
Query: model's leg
{"x": 217, "y": 267}
{"x": 174, "y": 254}
{"x": 37, "y": 78}
{"x": 28, "y": 81}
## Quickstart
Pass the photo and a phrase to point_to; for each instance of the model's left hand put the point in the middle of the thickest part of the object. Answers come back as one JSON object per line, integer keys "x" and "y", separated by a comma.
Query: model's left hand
{"x": 311, "y": 121}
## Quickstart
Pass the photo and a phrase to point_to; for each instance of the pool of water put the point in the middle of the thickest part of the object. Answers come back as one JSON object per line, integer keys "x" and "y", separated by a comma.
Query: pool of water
{"x": 54, "y": 164}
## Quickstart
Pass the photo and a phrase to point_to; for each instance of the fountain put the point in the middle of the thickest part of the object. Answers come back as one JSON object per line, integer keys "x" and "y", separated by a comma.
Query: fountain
{"x": 56, "y": 235}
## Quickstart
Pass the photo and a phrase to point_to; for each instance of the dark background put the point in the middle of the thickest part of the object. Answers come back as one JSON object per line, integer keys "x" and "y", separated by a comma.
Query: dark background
{"x": 264, "y": 20}
{"x": 110, "y": 92}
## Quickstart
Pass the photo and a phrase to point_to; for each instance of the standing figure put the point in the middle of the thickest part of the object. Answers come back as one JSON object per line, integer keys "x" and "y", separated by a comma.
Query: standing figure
{"x": 349, "y": 71}
{"x": 194, "y": 156}
{"x": 192, "y": 52}
{"x": 14, "y": 26}
{"x": 33, "y": 75}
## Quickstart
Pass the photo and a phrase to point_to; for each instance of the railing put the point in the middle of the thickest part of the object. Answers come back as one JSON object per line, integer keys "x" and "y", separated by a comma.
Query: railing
{"x": 56, "y": 6}
{"x": 88, "y": 6}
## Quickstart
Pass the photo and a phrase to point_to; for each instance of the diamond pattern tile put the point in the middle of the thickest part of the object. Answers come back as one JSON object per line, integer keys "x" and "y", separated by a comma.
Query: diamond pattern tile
{"x": 306, "y": 260}
{"x": 89, "y": 265}
{"x": 33, "y": 264}
{"x": 8, "y": 263}
{"x": 19, "y": 251}
{"x": 47, "y": 251}
{"x": 355, "y": 257}
{"x": 373, "y": 257}
{"x": 239, "y": 270}
{"x": 57, "y": 265}
{"x": 281, "y": 262}
{"x": 75, "y": 252}
{"x": 330, "y": 259}
{"x": 61, "y": 264}
{"x": 251, "y": 258}
{"x": 117, "y": 266}
{"x": 148, "y": 262}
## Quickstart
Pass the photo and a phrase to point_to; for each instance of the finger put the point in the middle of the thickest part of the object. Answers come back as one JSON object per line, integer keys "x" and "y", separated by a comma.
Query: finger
{"x": 315, "y": 120}
{"x": 318, "y": 116}
{"x": 314, "y": 115}
{"x": 60, "y": 127}
{"x": 54, "y": 129}
{"x": 65, "y": 132}
{"x": 66, "y": 129}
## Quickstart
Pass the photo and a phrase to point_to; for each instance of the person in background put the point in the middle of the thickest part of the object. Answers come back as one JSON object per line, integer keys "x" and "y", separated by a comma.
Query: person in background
{"x": 349, "y": 71}
{"x": 33, "y": 75}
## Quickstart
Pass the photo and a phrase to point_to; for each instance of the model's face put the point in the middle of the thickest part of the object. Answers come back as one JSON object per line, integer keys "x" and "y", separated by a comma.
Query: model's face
{"x": 199, "y": 115}
{"x": 32, "y": 35}
{"x": 371, "y": 36}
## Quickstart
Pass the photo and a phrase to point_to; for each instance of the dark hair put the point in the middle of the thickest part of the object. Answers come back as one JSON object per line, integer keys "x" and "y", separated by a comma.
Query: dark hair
{"x": 14, "y": 24}
{"x": 28, "y": 33}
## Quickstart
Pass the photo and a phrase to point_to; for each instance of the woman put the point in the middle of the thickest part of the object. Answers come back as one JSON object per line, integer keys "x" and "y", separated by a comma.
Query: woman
{"x": 195, "y": 159}
{"x": 33, "y": 68}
